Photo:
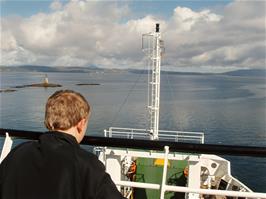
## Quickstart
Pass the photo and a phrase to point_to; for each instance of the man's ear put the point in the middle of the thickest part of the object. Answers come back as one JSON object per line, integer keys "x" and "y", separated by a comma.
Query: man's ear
{"x": 81, "y": 125}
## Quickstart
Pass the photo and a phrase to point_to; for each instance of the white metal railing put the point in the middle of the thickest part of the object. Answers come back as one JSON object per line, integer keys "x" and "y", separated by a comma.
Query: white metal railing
{"x": 164, "y": 135}
{"x": 138, "y": 185}
{"x": 190, "y": 190}
{"x": 164, "y": 187}
{"x": 166, "y": 149}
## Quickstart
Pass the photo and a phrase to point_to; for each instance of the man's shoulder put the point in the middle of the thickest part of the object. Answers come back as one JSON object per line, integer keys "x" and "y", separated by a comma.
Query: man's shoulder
{"x": 86, "y": 155}
{"x": 23, "y": 146}
{"x": 90, "y": 159}
{"x": 19, "y": 151}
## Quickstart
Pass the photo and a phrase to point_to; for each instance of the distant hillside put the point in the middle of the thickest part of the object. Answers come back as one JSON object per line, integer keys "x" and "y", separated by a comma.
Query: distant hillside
{"x": 247, "y": 72}
{"x": 95, "y": 69}
{"x": 250, "y": 72}
{"x": 139, "y": 71}
{"x": 32, "y": 68}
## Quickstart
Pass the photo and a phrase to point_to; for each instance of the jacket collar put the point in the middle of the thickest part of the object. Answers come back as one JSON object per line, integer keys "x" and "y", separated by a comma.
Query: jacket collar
{"x": 65, "y": 136}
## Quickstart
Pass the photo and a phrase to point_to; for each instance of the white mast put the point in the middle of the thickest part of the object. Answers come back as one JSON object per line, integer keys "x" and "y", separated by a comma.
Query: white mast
{"x": 154, "y": 51}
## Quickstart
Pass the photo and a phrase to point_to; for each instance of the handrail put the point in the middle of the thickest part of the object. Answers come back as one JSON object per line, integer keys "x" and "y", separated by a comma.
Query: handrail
{"x": 163, "y": 183}
{"x": 145, "y": 130}
{"x": 166, "y": 135}
{"x": 153, "y": 145}
{"x": 191, "y": 190}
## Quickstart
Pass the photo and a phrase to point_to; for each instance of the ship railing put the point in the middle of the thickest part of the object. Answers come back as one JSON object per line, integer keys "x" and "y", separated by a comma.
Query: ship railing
{"x": 164, "y": 135}
{"x": 191, "y": 190}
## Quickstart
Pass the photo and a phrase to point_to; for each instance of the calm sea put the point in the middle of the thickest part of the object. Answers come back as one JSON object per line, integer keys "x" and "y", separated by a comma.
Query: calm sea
{"x": 229, "y": 110}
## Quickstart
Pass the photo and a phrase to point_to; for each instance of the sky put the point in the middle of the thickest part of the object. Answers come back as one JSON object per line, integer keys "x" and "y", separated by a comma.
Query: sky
{"x": 199, "y": 36}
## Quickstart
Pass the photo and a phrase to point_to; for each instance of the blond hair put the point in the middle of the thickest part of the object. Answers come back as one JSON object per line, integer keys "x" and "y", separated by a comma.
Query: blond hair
{"x": 64, "y": 109}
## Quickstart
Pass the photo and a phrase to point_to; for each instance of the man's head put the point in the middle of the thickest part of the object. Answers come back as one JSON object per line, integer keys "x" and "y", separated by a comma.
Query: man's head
{"x": 67, "y": 111}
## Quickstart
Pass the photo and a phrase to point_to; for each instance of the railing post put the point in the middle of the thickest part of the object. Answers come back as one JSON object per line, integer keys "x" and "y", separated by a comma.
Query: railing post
{"x": 194, "y": 176}
{"x": 6, "y": 147}
{"x": 166, "y": 149}
{"x": 132, "y": 134}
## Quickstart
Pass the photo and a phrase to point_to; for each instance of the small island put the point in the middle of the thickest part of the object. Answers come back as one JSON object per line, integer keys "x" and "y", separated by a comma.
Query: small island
{"x": 7, "y": 90}
{"x": 87, "y": 84}
{"x": 45, "y": 84}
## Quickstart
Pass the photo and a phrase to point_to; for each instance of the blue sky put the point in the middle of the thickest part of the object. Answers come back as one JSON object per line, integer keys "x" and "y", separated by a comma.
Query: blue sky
{"x": 23, "y": 8}
{"x": 200, "y": 36}
{"x": 27, "y": 8}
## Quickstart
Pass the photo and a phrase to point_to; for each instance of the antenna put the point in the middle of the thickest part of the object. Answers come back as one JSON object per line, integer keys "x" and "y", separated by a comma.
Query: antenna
{"x": 152, "y": 46}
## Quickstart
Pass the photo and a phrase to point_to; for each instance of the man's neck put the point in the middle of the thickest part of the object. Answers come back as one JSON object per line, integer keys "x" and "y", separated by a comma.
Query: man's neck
{"x": 72, "y": 131}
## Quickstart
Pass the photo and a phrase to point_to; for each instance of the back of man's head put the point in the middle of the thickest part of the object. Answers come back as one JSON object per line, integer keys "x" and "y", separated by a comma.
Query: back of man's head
{"x": 64, "y": 109}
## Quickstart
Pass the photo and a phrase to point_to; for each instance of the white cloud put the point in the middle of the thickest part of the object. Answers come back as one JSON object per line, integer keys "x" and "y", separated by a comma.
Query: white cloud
{"x": 82, "y": 33}
{"x": 56, "y": 5}
{"x": 68, "y": 60}
{"x": 9, "y": 42}
{"x": 184, "y": 18}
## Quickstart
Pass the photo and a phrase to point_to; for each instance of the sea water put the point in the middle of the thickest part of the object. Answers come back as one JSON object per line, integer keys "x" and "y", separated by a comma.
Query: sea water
{"x": 228, "y": 109}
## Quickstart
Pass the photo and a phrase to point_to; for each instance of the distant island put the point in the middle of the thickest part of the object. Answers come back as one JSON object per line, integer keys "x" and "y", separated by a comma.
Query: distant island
{"x": 250, "y": 72}
{"x": 87, "y": 84}
{"x": 8, "y": 90}
{"x": 44, "y": 85}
